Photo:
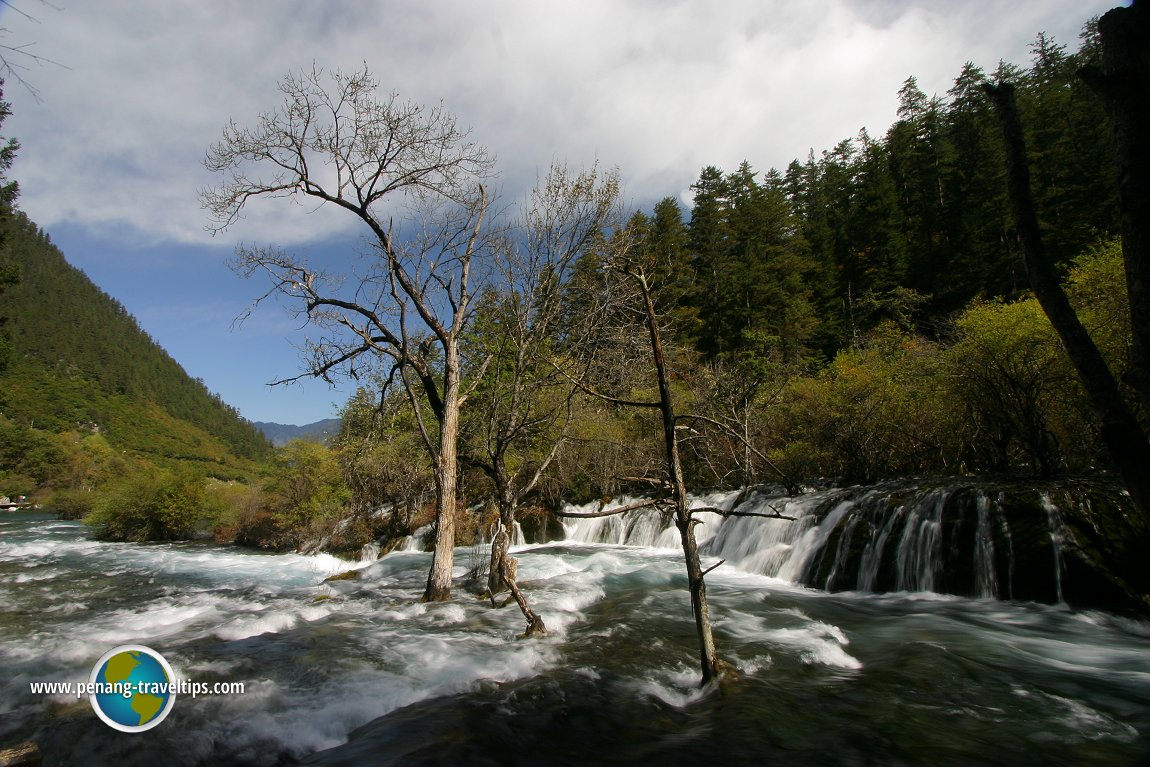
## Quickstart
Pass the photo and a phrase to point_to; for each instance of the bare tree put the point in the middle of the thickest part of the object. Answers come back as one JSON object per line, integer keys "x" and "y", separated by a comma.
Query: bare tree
{"x": 523, "y": 406}
{"x": 404, "y": 313}
{"x": 18, "y": 58}
{"x": 620, "y": 319}
{"x": 616, "y": 321}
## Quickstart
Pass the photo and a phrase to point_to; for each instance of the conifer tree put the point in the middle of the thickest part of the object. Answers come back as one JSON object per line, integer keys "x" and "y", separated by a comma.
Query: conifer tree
{"x": 9, "y": 189}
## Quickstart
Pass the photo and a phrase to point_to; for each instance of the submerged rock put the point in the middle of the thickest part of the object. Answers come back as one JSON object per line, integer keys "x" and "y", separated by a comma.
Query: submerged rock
{"x": 21, "y": 755}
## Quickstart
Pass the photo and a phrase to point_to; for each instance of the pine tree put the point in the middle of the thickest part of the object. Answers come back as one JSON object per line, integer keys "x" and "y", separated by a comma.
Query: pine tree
{"x": 9, "y": 273}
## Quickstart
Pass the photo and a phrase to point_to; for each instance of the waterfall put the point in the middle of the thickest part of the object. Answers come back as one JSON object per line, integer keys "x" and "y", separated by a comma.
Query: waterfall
{"x": 517, "y": 537}
{"x": 1057, "y": 537}
{"x": 986, "y": 577}
{"x": 969, "y": 537}
{"x": 918, "y": 549}
{"x": 872, "y": 553}
{"x": 414, "y": 542}
{"x": 369, "y": 552}
{"x": 635, "y": 528}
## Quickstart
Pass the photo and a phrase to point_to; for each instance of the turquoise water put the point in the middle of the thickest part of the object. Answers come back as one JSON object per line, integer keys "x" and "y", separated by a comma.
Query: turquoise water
{"x": 359, "y": 672}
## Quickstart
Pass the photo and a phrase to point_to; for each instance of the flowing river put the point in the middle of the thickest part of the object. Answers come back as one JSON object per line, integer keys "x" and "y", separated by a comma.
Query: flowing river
{"x": 359, "y": 672}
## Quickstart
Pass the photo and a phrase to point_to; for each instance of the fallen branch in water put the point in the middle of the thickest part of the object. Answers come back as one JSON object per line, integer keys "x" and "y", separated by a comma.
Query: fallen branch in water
{"x": 775, "y": 513}
{"x": 608, "y": 512}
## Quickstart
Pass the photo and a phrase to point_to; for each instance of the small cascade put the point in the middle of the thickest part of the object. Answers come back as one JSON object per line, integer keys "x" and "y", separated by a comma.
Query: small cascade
{"x": 873, "y": 551}
{"x": 842, "y": 552}
{"x": 416, "y": 541}
{"x": 634, "y": 528}
{"x": 1057, "y": 538}
{"x": 762, "y": 545}
{"x": 811, "y": 545}
{"x": 369, "y": 552}
{"x": 1002, "y": 533}
{"x": 918, "y": 549}
{"x": 986, "y": 579}
{"x": 968, "y": 537}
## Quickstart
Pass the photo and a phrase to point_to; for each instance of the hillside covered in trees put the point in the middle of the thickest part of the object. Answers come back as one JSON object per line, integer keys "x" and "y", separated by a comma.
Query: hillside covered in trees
{"x": 84, "y": 385}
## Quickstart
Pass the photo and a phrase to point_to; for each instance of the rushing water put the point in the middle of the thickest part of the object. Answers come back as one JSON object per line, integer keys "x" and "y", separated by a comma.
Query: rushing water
{"x": 975, "y": 538}
{"x": 359, "y": 672}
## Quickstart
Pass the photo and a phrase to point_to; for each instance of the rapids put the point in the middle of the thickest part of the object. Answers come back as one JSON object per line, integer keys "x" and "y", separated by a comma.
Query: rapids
{"x": 358, "y": 671}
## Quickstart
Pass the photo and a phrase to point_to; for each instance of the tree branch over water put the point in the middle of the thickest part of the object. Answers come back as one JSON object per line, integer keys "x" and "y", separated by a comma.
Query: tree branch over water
{"x": 649, "y": 504}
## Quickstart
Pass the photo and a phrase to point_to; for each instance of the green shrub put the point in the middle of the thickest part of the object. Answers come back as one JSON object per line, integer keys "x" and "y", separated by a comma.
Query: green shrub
{"x": 73, "y": 504}
{"x": 878, "y": 410}
{"x": 159, "y": 506}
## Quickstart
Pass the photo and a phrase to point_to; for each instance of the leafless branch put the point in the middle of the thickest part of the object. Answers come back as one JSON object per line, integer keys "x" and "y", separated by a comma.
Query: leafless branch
{"x": 16, "y": 59}
{"x": 649, "y": 504}
{"x": 712, "y": 567}
{"x": 775, "y": 513}
{"x": 587, "y": 389}
{"x": 735, "y": 435}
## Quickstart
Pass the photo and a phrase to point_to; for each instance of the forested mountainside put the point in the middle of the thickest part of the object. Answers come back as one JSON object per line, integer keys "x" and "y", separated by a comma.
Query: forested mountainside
{"x": 79, "y": 362}
{"x": 908, "y": 225}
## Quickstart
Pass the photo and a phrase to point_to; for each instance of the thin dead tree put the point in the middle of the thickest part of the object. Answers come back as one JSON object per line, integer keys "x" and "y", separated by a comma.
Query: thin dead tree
{"x": 621, "y": 319}
{"x": 1122, "y": 82}
{"x": 404, "y": 312}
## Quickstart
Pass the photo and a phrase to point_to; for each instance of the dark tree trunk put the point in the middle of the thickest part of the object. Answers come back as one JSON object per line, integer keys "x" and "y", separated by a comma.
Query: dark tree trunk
{"x": 708, "y": 657}
{"x": 1123, "y": 85}
{"x": 499, "y": 545}
{"x": 1124, "y": 438}
{"x": 502, "y": 539}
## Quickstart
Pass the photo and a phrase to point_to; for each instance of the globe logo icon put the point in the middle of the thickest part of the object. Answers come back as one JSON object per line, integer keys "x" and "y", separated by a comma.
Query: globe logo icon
{"x": 133, "y": 688}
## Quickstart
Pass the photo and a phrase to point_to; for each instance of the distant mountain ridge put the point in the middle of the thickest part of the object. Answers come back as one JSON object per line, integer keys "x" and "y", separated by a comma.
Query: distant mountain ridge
{"x": 280, "y": 434}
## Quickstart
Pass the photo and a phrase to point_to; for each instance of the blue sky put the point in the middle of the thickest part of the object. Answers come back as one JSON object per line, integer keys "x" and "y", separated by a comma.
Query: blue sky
{"x": 113, "y": 141}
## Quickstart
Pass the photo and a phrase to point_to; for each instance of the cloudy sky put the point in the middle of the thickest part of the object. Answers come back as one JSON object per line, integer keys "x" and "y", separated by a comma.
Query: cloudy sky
{"x": 114, "y": 138}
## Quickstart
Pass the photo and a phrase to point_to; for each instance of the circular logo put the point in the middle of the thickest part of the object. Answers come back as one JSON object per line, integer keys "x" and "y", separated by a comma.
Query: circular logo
{"x": 132, "y": 688}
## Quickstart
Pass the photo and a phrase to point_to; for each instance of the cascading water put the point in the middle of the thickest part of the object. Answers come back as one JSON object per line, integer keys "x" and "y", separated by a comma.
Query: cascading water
{"x": 369, "y": 552}
{"x": 1057, "y": 537}
{"x": 955, "y": 537}
{"x": 986, "y": 578}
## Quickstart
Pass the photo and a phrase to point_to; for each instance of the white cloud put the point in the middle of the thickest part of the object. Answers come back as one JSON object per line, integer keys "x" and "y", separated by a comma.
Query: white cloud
{"x": 658, "y": 89}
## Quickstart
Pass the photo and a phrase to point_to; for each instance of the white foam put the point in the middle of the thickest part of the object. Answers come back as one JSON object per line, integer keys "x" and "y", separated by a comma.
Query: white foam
{"x": 678, "y": 687}
{"x": 249, "y": 626}
{"x": 449, "y": 614}
{"x": 817, "y": 643}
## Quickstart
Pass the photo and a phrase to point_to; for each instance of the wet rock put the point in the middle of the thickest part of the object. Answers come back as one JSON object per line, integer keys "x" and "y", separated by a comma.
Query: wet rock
{"x": 21, "y": 755}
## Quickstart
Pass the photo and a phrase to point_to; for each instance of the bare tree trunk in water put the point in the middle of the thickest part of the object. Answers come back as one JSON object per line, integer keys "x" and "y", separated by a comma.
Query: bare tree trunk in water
{"x": 499, "y": 545}
{"x": 504, "y": 569}
{"x": 708, "y": 657}
{"x": 1123, "y": 436}
{"x": 439, "y": 578}
{"x": 501, "y": 541}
